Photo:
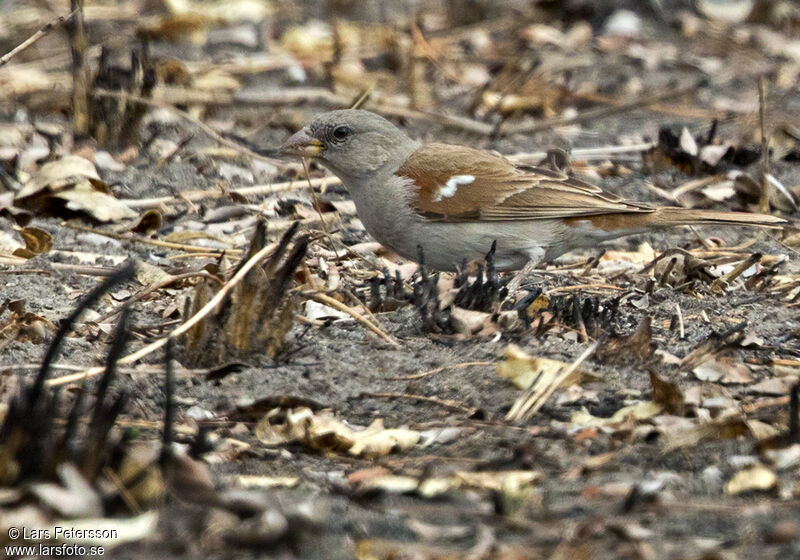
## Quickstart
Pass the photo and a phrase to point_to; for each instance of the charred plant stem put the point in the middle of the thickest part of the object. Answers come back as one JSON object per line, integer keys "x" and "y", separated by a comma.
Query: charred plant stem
{"x": 121, "y": 275}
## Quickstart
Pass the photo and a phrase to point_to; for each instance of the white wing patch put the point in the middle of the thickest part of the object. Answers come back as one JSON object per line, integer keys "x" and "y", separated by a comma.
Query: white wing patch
{"x": 449, "y": 188}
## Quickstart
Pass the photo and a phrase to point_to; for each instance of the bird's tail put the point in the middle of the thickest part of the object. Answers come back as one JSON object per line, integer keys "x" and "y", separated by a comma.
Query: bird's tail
{"x": 668, "y": 217}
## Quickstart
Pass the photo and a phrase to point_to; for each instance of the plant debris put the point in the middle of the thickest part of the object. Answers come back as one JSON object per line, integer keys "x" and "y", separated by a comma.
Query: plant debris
{"x": 234, "y": 368}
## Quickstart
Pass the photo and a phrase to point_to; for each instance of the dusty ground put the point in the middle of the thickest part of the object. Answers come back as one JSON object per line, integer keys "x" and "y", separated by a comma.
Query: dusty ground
{"x": 615, "y": 490}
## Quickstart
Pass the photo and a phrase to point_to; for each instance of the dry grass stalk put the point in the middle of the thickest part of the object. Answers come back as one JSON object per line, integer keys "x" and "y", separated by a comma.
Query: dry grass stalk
{"x": 530, "y": 402}
{"x": 80, "y": 71}
{"x": 260, "y": 311}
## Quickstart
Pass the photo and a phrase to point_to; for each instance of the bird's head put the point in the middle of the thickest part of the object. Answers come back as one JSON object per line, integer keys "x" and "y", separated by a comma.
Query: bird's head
{"x": 352, "y": 143}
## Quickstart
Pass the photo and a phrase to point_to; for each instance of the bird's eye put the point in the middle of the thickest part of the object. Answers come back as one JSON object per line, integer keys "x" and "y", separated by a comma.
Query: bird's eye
{"x": 341, "y": 132}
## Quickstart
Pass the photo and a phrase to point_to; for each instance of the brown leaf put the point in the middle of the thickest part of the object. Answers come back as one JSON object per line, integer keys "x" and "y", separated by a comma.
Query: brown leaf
{"x": 72, "y": 182}
{"x": 638, "y": 346}
{"x": 667, "y": 394}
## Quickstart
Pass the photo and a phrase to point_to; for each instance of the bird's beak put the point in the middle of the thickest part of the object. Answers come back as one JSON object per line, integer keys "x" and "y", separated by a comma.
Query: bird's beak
{"x": 302, "y": 144}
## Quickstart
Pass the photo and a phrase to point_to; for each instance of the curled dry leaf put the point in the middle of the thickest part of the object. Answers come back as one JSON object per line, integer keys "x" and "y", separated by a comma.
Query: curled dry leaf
{"x": 756, "y": 478}
{"x": 149, "y": 222}
{"x": 34, "y": 242}
{"x": 469, "y": 322}
{"x": 323, "y": 431}
{"x": 74, "y": 497}
{"x": 667, "y": 394}
{"x": 113, "y": 532}
{"x": 512, "y": 483}
{"x": 639, "y": 345}
{"x": 617, "y": 261}
{"x": 722, "y": 370}
{"x": 523, "y": 369}
{"x": 21, "y": 325}
{"x": 729, "y": 427}
{"x": 635, "y": 412}
{"x": 72, "y": 183}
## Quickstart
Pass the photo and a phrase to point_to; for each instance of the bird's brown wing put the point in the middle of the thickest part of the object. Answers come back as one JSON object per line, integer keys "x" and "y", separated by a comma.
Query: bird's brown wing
{"x": 460, "y": 183}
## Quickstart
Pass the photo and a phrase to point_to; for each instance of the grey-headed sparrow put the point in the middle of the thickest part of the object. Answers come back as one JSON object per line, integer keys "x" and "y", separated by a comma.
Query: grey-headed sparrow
{"x": 454, "y": 201}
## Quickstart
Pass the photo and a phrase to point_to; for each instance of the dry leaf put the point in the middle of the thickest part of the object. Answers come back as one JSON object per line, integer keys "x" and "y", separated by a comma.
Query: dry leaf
{"x": 468, "y": 322}
{"x": 639, "y": 411}
{"x": 722, "y": 370}
{"x": 639, "y": 345}
{"x": 729, "y": 427}
{"x": 324, "y": 432}
{"x": 617, "y": 261}
{"x": 260, "y": 481}
{"x": 523, "y": 369}
{"x": 667, "y": 394}
{"x": 72, "y": 182}
{"x": 512, "y": 482}
{"x": 774, "y": 386}
{"x": 84, "y": 197}
{"x": 756, "y": 478}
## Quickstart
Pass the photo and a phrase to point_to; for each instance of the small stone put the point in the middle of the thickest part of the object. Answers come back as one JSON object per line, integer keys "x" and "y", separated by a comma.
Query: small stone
{"x": 783, "y": 532}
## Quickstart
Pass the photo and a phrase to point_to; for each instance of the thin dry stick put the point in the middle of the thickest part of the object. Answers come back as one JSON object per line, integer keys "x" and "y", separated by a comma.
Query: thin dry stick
{"x": 124, "y": 493}
{"x": 739, "y": 269}
{"x": 601, "y": 152}
{"x": 47, "y": 28}
{"x": 578, "y": 287}
{"x": 193, "y": 196}
{"x": 327, "y": 97}
{"x": 315, "y": 201}
{"x": 363, "y": 97}
{"x": 598, "y": 113}
{"x": 762, "y": 118}
{"x": 76, "y": 268}
{"x": 680, "y": 320}
{"x": 157, "y": 286}
{"x": 441, "y": 402}
{"x": 533, "y": 399}
{"x": 154, "y": 242}
{"x": 213, "y": 134}
{"x": 338, "y": 305}
{"x": 437, "y": 370}
{"x": 181, "y": 330}
{"x": 695, "y": 184}
{"x": 81, "y": 85}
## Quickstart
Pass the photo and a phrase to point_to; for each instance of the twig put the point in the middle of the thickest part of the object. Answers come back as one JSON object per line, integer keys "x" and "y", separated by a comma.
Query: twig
{"x": 441, "y": 402}
{"x": 437, "y": 370}
{"x": 762, "y": 119}
{"x": 193, "y": 196}
{"x": 77, "y": 268}
{"x": 598, "y": 113}
{"x": 535, "y": 397}
{"x": 601, "y": 152}
{"x": 324, "y": 96}
{"x": 317, "y": 207}
{"x": 213, "y": 134}
{"x": 181, "y": 330}
{"x": 694, "y": 184}
{"x": 338, "y": 305}
{"x": 80, "y": 71}
{"x": 154, "y": 242}
{"x": 363, "y": 97}
{"x": 578, "y": 287}
{"x": 680, "y": 320}
{"x": 157, "y": 286}
{"x": 45, "y": 29}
